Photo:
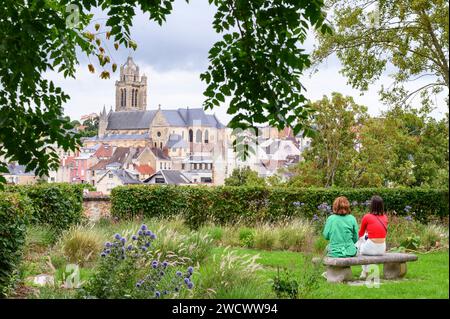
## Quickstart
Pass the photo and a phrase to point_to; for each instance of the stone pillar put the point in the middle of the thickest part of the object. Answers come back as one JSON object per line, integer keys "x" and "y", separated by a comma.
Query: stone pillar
{"x": 394, "y": 270}
{"x": 339, "y": 274}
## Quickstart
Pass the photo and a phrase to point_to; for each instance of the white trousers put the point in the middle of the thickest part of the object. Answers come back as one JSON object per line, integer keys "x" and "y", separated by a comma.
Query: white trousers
{"x": 369, "y": 248}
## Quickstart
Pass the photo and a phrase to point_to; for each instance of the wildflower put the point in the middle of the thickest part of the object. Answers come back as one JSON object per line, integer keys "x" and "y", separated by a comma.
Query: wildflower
{"x": 153, "y": 236}
{"x": 409, "y": 218}
{"x": 107, "y": 251}
{"x": 130, "y": 247}
{"x": 144, "y": 248}
{"x": 108, "y": 244}
{"x": 144, "y": 227}
{"x": 117, "y": 236}
{"x": 140, "y": 233}
{"x": 148, "y": 233}
{"x": 162, "y": 273}
{"x": 354, "y": 203}
{"x": 103, "y": 254}
{"x": 407, "y": 208}
{"x": 123, "y": 240}
{"x": 190, "y": 270}
{"x": 165, "y": 264}
{"x": 134, "y": 237}
{"x": 315, "y": 218}
{"x": 179, "y": 274}
{"x": 190, "y": 285}
{"x": 187, "y": 281}
{"x": 147, "y": 244}
{"x": 157, "y": 294}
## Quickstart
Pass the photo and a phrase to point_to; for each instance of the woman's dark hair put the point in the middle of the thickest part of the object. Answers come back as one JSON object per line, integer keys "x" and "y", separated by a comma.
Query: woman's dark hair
{"x": 376, "y": 205}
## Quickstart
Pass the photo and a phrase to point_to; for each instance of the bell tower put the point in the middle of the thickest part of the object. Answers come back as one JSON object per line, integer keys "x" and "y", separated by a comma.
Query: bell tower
{"x": 131, "y": 88}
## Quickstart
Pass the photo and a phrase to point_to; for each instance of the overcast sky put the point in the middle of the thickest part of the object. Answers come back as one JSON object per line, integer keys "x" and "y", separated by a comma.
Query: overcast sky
{"x": 174, "y": 55}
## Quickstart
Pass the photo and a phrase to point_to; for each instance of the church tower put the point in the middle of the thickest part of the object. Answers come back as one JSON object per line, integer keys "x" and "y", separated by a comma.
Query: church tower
{"x": 131, "y": 89}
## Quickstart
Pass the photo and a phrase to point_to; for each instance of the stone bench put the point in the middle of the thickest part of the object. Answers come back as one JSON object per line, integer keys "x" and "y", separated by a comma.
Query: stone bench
{"x": 394, "y": 265}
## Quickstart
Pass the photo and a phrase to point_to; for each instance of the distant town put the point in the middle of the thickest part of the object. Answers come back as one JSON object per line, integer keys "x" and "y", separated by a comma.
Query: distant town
{"x": 186, "y": 146}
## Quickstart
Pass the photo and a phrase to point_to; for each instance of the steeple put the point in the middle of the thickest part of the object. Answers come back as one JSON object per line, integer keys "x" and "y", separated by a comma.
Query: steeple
{"x": 131, "y": 88}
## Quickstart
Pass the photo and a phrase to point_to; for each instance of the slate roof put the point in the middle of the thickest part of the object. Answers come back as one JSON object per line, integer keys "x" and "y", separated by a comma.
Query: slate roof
{"x": 19, "y": 170}
{"x": 176, "y": 141}
{"x": 112, "y": 137}
{"x": 172, "y": 177}
{"x": 136, "y": 120}
{"x": 123, "y": 175}
{"x": 159, "y": 153}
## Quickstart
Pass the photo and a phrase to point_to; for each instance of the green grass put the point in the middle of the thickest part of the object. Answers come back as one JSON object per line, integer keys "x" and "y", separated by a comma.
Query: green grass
{"x": 426, "y": 278}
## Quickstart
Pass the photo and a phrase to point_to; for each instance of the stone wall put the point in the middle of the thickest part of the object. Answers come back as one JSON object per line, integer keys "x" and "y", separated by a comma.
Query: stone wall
{"x": 96, "y": 206}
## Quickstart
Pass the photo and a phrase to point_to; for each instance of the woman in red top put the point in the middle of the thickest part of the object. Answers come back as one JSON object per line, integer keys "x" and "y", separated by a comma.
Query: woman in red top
{"x": 373, "y": 231}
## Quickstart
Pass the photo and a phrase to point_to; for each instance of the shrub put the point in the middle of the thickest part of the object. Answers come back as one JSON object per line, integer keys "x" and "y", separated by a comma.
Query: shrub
{"x": 296, "y": 235}
{"x": 15, "y": 211}
{"x": 227, "y": 204}
{"x": 230, "y": 276}
{"x": 285, "y": 285}
{"x": 129, "y": 268}
{"x": 40, "y": 236}
{"x": 214, "y": 232}
{"x": 81, "y": 245}
{"x": 265, "y": 238}
{"x": 247, "y": 237}
{"x": 57, "y": 205}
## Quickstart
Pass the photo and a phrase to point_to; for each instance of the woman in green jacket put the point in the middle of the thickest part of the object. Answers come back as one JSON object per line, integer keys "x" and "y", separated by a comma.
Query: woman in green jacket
{"x": 341, "y": 230}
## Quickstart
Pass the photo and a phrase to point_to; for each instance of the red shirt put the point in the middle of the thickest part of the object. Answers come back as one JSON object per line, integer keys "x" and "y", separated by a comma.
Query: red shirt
{"x": 373, "y": 225}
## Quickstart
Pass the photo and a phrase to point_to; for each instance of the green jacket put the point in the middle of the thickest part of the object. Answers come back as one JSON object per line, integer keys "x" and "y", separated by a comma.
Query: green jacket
{"x": 342, "y": 232}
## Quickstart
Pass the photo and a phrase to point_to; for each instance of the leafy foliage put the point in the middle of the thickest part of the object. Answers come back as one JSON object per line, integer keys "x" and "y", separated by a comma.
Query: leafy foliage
{"x": 244, "y": 177}
{"x": 15, "y": 212}
{"x": 409, "y": 37}
{"x": 57, "y": 205}
{"x": 251, "y": 204}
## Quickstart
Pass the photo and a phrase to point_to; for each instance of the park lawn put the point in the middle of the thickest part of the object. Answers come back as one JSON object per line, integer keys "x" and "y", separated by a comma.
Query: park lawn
{"x": 426, "y": 278}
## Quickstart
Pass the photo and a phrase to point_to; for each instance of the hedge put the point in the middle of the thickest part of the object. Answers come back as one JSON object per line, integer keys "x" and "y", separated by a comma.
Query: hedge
{"x": 15, "y": 211}
{"x": 56, "y": 205}
{"x": 225, "y": 204}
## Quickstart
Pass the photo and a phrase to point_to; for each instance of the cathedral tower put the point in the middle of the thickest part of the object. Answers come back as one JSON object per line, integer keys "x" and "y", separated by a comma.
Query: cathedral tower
{"x": 131, "y": 89}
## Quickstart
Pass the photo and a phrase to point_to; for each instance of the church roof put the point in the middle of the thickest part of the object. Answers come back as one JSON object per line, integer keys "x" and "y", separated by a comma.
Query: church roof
{"x": 136, "y": 120}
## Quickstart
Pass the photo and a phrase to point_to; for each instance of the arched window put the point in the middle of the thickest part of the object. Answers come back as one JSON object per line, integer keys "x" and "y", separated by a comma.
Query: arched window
{"x": 132, "y": 97}
{"x": 135, "y": 98}
{"x": 206, "y": 137}
{"x": 191, "y": 136}
{"x": 198, "y": 136}
{"x": 156, "y": 145}
{"x": 160, "y": 144}
{"x": 124, "y": 97}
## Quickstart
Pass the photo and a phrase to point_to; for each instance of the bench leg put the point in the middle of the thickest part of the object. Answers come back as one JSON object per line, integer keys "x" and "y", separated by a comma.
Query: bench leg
{"x": 339, "y": 274}
{"x": 394, "y": 270}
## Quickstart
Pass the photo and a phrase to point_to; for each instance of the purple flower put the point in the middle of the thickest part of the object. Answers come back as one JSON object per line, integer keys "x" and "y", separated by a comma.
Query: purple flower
{"x": 108, "y": 244}
{"x": 190, "y": 270}
{"x": 179, "y": 274}
{"x": 157, "y": 294}
{"x": 140, "y": 233}
{"x": 117, "y": 236}
{"x": 409, "y": 218}
{"x": 148, "y": 233}
{"x": 103, "y": 254}
{"x": 162, "y": 273}
{"x": 407, "y": 208}
{"x": 123, "y": 240}
{"x": 107, "y": 251}
{"x": 144, "y": 227}
{"x": 165, "y": 264}
{"x": 190, "y": 285}
{"x": 147, "y": 244}
{"x": 153, "y": 236}
{"x": 187, "y": 281}
{"x": 130, "y": 247}
{"x": 134, "y": 237}
{"x": 144, "y": 248}
{"x": 315, "y": 218}
{"x": 354, "y": 203}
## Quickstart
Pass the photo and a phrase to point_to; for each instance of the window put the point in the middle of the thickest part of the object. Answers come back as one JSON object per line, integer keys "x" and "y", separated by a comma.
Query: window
{"x": 110, "y": 175}
{"x": 183, "y": 166}
{"x": 206, "y": 180}
{"x": 191, "y": 136}
{"x": 160, "y": 180}
{"x": 158, "y": 134}
{"x": 160, "y": 145}
{"x": 160, "y": 165}
{"x": 123, "y": 97}
{"x": 156, "y": 145}
{"x": 198, "y": 136}
{"x": 195, "y": 166}
{"x": 206, "y": 137}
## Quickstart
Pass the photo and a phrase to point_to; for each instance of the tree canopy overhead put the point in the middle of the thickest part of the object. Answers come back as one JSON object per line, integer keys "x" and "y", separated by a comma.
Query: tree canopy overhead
{"x": 407, "y": 38}
{"x": 258, "y": 62}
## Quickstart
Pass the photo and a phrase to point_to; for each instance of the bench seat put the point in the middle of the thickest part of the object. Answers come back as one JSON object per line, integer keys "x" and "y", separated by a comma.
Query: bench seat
{"x": 394, "y": 265}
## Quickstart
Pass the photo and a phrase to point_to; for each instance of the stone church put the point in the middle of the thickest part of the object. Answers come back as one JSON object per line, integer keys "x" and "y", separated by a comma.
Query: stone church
{"x": 193, "y": 141}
